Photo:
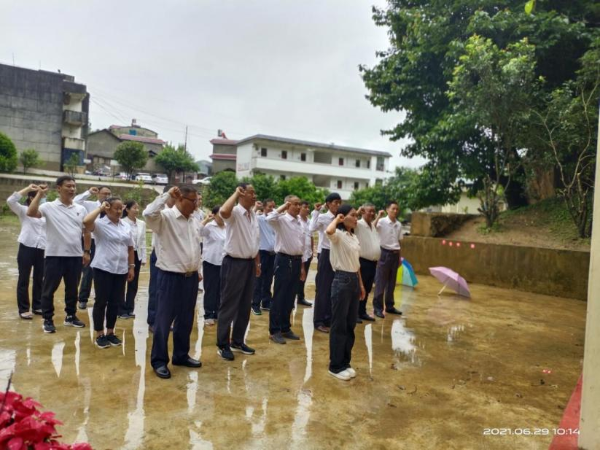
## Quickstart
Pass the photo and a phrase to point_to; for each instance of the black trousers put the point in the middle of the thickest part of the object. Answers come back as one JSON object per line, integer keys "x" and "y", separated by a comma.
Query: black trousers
{"x": 262, "y": 285}
{"x": 212, "y": 290}
{"x": 56, "y": 269}
{"x": 128, "y": 305}
{"x": 176, "y": 302}
{"x": 110, "y": 289}
{"x": 152, "y": 289}
{"x": 287, "y": 278}
{"x": 323, "y": 298}
{"x": 30, "y": 258}
{"x": 385, "y": 279}
{"x": 87, "y": 277}
{"x": 367, "y": 273}
{"x": 237, "y": 284}
{"x": 345, "y": 292}
{"x": 301, "y": 284}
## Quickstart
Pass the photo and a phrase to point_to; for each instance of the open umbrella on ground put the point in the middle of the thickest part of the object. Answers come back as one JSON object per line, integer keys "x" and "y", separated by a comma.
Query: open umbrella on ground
{"x": 406, "y": 274}
{"x": 451, "y": 280}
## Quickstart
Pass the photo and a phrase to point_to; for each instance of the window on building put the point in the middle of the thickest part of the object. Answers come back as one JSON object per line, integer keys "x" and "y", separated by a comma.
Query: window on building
{"x": 339, "y": 184}
{"x": 283, "y": 154}
{"x": 380, "y": 164}
{"x": 356, "y": 185}
{"x": 369, "y": 164}
{"x": 358, "y": 163}
{"x": 282, "y": 177}
{"x": 367, "y": 184}
{"x": 263, "y": 152}
{"x": 133, "y": 132}
{"x": 341, "y": 161}
{"x": 302, "y": 156}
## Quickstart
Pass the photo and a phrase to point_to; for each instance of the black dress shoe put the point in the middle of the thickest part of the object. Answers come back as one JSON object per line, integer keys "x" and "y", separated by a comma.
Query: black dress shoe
{"x": 304, "y": 303}
{"x": 162, "y": 372}
{"x": 189, "y": 362}
{"x": 367, "y": 317}
{"x": 379, "y": 314}
{"x": 393, "y": 311}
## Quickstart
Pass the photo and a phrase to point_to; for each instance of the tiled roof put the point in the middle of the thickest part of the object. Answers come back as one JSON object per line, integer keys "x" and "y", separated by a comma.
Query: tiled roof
{"x": 219, "y": 141}
{"x": 147, "y": 140}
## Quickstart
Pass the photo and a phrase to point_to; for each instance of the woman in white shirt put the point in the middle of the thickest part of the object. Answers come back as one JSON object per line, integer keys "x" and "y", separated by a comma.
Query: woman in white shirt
{"x": 32, "y": 242}
{"x": 138, "y": 232}
{"x": 113, "y": 266}
{"x": 346, "y": 291}
{"x": 212, "y": 229}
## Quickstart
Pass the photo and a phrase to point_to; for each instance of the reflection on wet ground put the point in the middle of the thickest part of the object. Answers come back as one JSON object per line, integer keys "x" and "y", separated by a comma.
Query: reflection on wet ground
{"x": 435, "y": 377}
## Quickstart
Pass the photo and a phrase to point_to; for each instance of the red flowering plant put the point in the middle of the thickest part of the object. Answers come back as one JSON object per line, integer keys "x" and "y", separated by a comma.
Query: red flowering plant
{"x": 24, "y": 427}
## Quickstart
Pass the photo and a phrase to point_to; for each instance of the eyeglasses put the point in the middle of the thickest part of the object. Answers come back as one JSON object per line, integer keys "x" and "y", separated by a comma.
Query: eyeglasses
{"x": 193, "y": 200}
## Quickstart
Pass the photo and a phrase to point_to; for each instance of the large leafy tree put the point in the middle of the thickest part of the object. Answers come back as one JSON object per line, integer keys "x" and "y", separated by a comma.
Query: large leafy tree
{"x": 222, "y": 185}
{"x": 8, "y": 154}
{"x": 402, "y": 187}
{"x": 175, "y": 160}
{"x": 427, "y": 38}
{"x": 301, "y": 187}
{"x": 131, "y": 156}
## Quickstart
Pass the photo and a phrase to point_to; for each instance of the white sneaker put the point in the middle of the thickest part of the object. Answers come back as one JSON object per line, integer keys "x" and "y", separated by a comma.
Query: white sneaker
{"x": 343, "y": 375}
{"x": 351, "y": 372}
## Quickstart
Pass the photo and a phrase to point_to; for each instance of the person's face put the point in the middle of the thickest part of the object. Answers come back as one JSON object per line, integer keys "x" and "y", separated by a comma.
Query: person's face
{"x": 269, "y": 207}
{"x": 392, "y": 211}
{"x": 187, "y": 203}
{"x": 199, "y": 201}
{"x": 66, "y": 190}
{"x": 133, "y": 211}
{"x": 103, "y": 194}
{"x": 116, "y": 211}
{"x": 294, "y": 208}
{"x": 333, "y": 206}
{"x": 248, "y": 200}
{"x": 351, "y": 219}
{"x": 369, "y": 214}
{"x": 304, "y": 211}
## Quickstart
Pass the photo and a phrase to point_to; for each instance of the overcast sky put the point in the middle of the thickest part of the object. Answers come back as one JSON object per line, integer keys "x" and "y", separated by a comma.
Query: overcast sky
{"x": 279, "y": 67}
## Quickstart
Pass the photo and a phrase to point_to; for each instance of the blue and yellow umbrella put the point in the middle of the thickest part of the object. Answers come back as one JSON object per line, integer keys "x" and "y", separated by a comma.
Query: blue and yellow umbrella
{"x": 406, "y": 274}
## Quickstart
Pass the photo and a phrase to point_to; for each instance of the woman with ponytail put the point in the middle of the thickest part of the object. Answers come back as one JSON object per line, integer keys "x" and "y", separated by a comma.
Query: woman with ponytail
{"x": 138, "y": 231}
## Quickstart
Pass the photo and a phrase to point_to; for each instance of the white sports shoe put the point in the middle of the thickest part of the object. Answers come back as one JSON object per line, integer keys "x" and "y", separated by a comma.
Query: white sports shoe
{"x": 351, "y": 372}
{"x": 343, "y": 375}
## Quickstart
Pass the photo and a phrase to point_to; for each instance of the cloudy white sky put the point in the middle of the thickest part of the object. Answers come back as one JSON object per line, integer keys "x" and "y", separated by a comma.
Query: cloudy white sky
{"x": 279, "y": 67}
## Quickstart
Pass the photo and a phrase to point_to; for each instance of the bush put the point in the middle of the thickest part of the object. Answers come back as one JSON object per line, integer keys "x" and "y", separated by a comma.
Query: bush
{"x": 8, "y": 154}
{"x": 30, "y": 158}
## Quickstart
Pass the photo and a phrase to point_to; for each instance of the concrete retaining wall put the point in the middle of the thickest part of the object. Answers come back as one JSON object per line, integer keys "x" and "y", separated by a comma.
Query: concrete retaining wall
{"x": 562, "y": 273}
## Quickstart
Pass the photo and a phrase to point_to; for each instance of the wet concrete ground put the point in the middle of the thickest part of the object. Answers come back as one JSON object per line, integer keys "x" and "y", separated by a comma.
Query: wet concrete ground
{"x": 436, "y": 378}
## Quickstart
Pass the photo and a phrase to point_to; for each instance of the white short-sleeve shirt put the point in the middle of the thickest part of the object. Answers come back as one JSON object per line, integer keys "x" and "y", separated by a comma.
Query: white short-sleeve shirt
{"x": 345, "y": 251}
{"x": 390, "y": 233}
{"x": 243, "y": 234}
{"x": 64, "y": 228}
{"x": 112, "y": 242}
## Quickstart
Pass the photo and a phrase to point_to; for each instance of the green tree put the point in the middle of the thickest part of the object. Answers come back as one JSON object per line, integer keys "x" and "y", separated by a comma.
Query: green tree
{"x": 131, "y": 156}
{"x": 30, "y": 158}
{"x": 264, "y": 185}
{"x": 301, "y": 187}
{"x": 175, "y": 160}
{"x": 72, "y": 163}
{"x": 222, "y": 185}
{"x": 402, "y": 187}
{"x": 427, "y": 38}
{"x": 8, "y": 154}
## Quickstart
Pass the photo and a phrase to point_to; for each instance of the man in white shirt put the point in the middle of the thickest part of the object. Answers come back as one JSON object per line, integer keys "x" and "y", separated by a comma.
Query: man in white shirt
{"x": 289, "y": 271}
{"x": 178, "y": 267}
{"x": 64, "y": 253}
{"x": 319, "y": 222}
{"x": 370, "y": 251}
{"x": 32, "y": 242}
{"x": 262, "y": 287}
{"x": 240, "y": 267}
{"x": 101, "y": 193}
{"x": 308, "y": 250}
{"x": 390, "y": 235}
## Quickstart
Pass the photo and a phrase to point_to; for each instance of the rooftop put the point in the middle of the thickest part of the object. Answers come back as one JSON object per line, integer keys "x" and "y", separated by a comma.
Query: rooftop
{"x": 219, "y": 141}
{"x": 264, "y": 137}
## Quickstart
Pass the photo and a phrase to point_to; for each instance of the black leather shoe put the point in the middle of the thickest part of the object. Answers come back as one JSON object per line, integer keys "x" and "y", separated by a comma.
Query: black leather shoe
{"x": 189, "y": 362}
{"x": 304, "y": 303}
{"x": 367, "y": 317}
{"x": 379, "y": 314}
{"x": 393, "y": 311}
{"x": 162, "y": 372}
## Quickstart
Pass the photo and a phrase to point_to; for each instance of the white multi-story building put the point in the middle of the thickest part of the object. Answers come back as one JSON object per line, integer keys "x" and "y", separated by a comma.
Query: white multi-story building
{"x": 334, "y": 167}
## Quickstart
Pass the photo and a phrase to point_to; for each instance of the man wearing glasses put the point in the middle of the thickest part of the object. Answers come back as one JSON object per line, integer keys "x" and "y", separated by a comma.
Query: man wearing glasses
{"x": 178, "y": 266}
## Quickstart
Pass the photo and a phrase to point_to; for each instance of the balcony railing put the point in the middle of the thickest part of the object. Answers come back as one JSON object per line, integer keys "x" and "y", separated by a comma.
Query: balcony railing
{"x": 73, "y": 144}
{"x": 74, "y": 118}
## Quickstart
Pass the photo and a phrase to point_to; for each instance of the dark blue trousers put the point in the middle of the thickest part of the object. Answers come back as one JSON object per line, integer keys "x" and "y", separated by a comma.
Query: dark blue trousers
{"x": 345, "y": 293}
{"x": 287, "y": 277}
{"x": 212, "y": 290}
{"x": 87, "y": 277}
{"x": 262, "y": 286}
{"x": 152, "y": 289}
{"x": 323, "y": 298}
{"x": 176, "y": 303}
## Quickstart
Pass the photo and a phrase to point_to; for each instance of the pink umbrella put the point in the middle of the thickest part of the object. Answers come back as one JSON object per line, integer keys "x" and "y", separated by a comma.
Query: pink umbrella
{"x": 451, "y": 279}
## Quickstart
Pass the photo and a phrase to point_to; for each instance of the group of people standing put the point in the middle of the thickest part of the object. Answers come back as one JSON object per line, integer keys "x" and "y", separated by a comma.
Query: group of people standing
{"x": 241, "y": 249}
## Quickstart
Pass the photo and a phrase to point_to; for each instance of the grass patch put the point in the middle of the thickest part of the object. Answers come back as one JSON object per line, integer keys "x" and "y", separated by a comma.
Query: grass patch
{"x": 9, "y": 219}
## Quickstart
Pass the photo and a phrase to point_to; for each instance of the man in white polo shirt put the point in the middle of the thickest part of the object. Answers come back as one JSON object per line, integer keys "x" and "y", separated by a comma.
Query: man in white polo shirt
{"x": 390, "y": 235}
{"x": 240, "y": 267}
{"x": 64, "y": 224}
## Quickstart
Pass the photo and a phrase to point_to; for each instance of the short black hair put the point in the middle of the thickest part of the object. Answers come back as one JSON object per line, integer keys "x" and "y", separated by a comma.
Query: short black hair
{"x": 267, "y": 200}
{"x": 104, "y": 187}
{"x": 243, "y": 185}
{"x": 333, "y": 196}
{"x": 110, "y": 201}
{"x": 390, "y": 203}
{"x": 61, "y": 180}
{"x": 304, "y": 203}
{"x": 187, "y": 189}
{"x": 128, "y": 205}
{"x": 215, "y": 210}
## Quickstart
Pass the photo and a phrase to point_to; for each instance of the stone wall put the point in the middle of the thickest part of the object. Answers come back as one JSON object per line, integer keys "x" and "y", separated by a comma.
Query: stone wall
{"x": 437, "y": 224}
{"x": 562, "y": 273}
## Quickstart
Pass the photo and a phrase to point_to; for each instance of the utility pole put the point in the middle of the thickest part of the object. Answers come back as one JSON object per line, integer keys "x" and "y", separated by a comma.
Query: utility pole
{"x": 185, "y": 144}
